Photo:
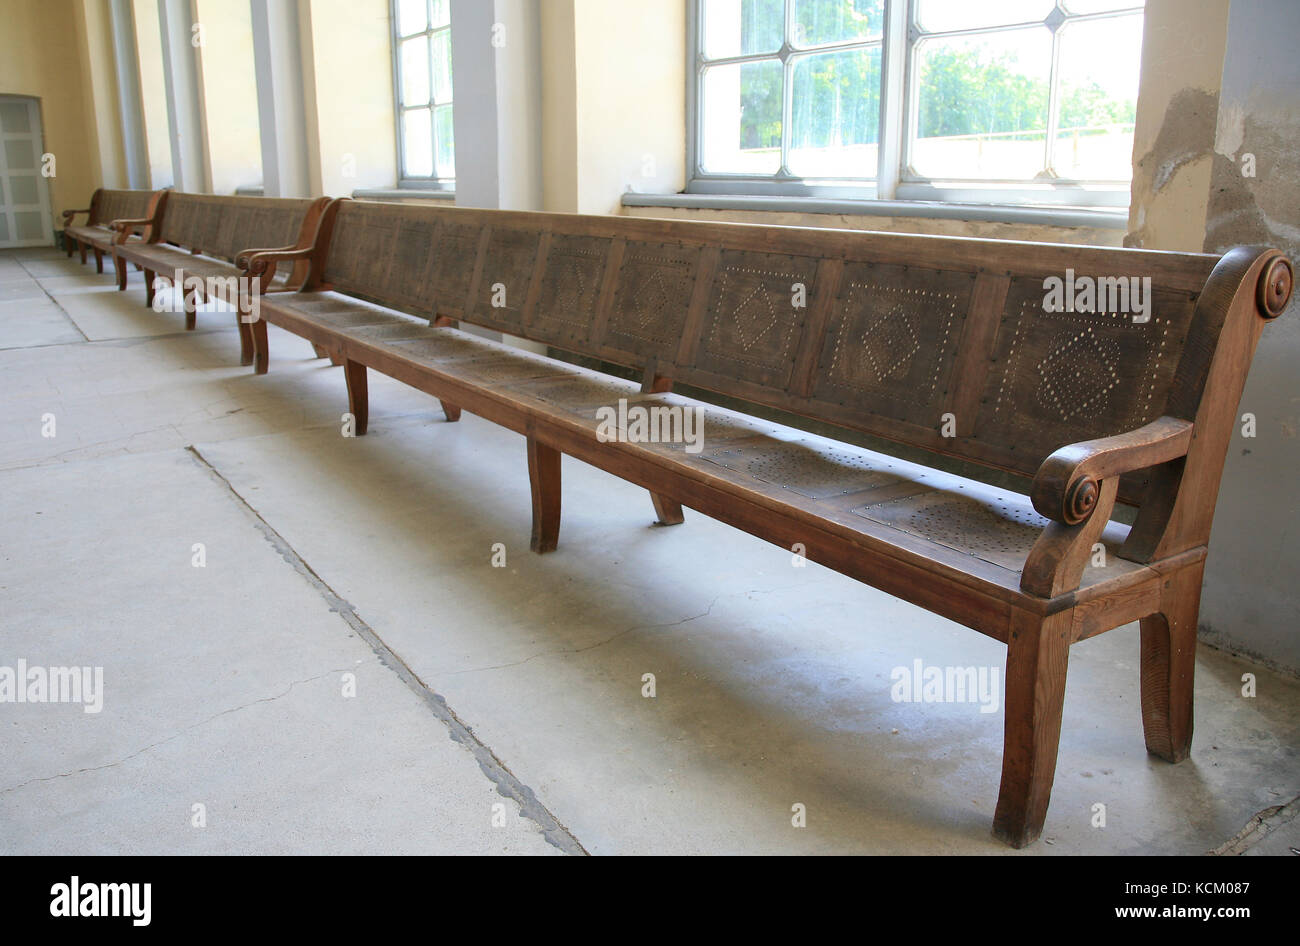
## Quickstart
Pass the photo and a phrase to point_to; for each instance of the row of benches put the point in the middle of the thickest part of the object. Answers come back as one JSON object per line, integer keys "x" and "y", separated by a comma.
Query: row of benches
{"x": 946, "y": 346}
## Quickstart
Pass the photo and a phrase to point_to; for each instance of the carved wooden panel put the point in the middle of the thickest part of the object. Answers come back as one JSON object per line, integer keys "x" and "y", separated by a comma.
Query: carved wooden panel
{"x": 1063, "y": 377}
{"x": 361, "y": 248}
{"x": 652, "y": 296}
{"x": 507, "y": 273}
{"x": 752, "y": 326}
{"x": 266, "y": 224}
{"x": 408, "y": 276}
{"x": 891, "y": 341}
{"x": 121, "y": 205}
{"x": 814, "y": 471}
{"x": 453, "y": 268}
{"x": 207, "y": 223}
{"x": 180, "y": 219}
{"x": 571, "y": 283}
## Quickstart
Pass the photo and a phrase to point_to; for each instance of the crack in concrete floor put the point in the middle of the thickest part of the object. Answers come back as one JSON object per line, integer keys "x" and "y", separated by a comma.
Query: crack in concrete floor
{"x": 506, "y": 782}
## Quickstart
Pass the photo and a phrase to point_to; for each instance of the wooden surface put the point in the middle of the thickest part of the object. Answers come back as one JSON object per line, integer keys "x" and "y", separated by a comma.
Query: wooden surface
{"x": 895, "y": 336}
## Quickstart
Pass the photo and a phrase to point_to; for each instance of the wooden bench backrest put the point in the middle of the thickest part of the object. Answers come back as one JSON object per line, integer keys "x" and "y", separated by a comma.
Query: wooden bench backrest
{"x": 225, "y": 226}
{"x": 108, "y": 205}
{"x": 898, "y": 334}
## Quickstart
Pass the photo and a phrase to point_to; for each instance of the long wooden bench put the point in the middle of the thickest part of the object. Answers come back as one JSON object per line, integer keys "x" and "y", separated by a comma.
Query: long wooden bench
{"x": 937, "y": 344}
{"x": 202, "y": 236}
{"x": 106, "y": 206}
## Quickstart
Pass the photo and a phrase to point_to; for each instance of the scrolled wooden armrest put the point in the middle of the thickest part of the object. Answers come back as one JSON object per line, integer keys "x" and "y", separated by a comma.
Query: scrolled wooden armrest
{"x": 1068, "y": 484}
{"x": 69, "y": 214}
{"x": 261, "y": 265}
{"x": 241, "y": 259}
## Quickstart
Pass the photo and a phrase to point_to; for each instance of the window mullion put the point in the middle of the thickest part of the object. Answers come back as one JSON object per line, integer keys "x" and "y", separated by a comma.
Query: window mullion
{"x": 787, "y": 89}
{"x": 1053, "y": 105}
{"x": 894, "y": 54}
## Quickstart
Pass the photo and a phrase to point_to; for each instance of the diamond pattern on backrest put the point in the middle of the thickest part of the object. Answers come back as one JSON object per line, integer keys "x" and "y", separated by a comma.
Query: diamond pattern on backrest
{"x": 891, "y": 340}
{"x": 752, "y": 327}
{"x": 651, "y": 298}
{"x": 1062, "y": 377}
{"x": 571, "y": 284}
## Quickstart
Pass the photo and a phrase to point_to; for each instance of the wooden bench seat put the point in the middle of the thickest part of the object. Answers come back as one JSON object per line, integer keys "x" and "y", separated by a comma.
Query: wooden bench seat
{"x": 201, "y": 236}
{"x": 97, "y": 234}
{"x": 944, "y": 346}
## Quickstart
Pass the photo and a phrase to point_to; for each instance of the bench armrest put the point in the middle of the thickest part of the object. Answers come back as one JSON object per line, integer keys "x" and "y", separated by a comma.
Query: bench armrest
{"x": 128, "y": 225}
{"x": 261, "y": 264}
{"x": 69, "y": 214}
{"x": 1066, "y": 486}
{"x": 243, "y": 256}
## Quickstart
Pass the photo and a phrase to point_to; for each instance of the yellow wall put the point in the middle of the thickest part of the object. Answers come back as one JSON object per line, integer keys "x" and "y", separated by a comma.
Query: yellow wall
{"x": 157, "y": 127}
{"x": 40, "y": 56}
{"x": 350, "y": 96}
{"x": 99, "y": 93}
{"x": 229, "y": 95}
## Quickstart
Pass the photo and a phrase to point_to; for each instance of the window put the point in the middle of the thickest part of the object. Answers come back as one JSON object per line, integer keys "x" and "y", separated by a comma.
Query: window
{"x": 1005, "y": 101}
{"x": 422, "y": 73}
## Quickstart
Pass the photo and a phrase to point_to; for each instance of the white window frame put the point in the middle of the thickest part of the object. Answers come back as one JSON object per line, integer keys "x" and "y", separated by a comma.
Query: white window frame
{"x": 405, "y": 180}
{"x": 899, "y": 101}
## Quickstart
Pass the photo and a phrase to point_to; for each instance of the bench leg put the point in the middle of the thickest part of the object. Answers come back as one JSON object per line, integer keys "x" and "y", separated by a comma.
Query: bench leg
{"x": 450, "y": 411}
{"x": 190, "y": 300}
{"x": 667, "y": 511}
{"x": 358, "y": 396}
{"x": 1037, "y": 654}
{"x": 69, "y": 243}
{"x": 81, "y": 248}
{"x": 1169, "y": 666}
{"x": 544, "y": 477}
{"x": 320, "y": 352}
{"x": 148, "y": 289}
{"x": 119, "y": 264}
{"x": 246, "y": 346}
{"x": 261, "y": 354}
{"x": 99, "y": 260}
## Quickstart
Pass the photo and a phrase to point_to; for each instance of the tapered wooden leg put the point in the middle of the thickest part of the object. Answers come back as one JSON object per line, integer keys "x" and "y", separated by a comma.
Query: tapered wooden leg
{"x": 119, "y": 264}
{"x": 668, "y": 511}
{"x": 246, "y": 347}
{"x": 81, "y": 248}
{"x": 1037, "y": 655}
{"x": 1169, "y": 666}
{"x": 148, "y": 288}
{"x": 358, "y": 396}
{"x": 544, "y": 477}
{"x": 190, "y": 300}
{"x": 261, "y": 354}
{"x": 69, "y": 244}
{"x": 99, "y": 260}
{"x": 320, "y": 352}
{"x": 450, "y": 411}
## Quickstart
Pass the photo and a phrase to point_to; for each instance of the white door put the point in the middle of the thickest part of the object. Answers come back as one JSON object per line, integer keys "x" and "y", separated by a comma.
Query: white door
{"x": 25, "y": 218}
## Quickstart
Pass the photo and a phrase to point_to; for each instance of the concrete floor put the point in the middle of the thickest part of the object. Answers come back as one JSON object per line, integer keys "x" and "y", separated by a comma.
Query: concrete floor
{"x": 496, "y": 710}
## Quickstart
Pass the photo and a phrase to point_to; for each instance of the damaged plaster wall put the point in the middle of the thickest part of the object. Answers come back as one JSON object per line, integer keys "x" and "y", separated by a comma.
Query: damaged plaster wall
{"x": 1173, "y": 142}
{"x": 1251, "y": 601}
